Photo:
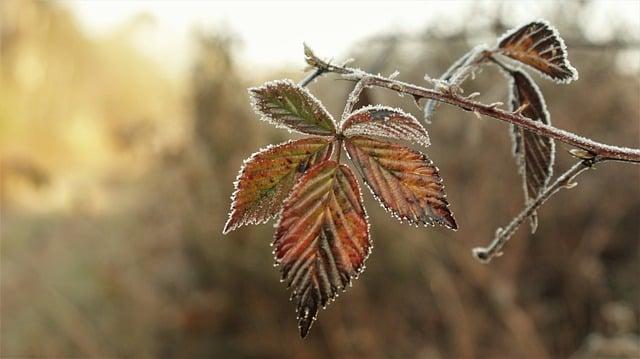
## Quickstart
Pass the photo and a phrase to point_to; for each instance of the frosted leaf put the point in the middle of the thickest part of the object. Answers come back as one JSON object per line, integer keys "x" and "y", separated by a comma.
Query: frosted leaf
{"x": 535, "y": 154}
{"x": 539, "y": 46}
{"x": 267, "y": 177}
{"x": 383, "y": 121}
{"x": 404, "y": 181}
{"x": 322, "y": 238}
{"x": 286, "y": 104}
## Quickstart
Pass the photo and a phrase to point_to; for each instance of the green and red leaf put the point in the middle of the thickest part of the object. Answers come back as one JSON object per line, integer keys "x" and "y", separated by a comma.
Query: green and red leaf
{"x": 383, "y": 121}
{"x": 322, "y": 238}
{"x": 266, "y": 179}
{"x": 539, "y": 46}
{"x": 535, "y": 154}
{"x": 405, "y": 181}
{"x": 285, "y": 104}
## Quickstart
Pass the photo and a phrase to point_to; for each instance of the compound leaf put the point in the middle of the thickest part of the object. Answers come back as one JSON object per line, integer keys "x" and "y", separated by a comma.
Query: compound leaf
{"x": 539, "y": 46}
{"x": 387, "y": 122}
{"x": 285, "y": 104}
{"x": 405, "y": 181}
{"x": 322, "y": 238}
{"x": 266, "y": 179}
{"x": 535, "y": 154}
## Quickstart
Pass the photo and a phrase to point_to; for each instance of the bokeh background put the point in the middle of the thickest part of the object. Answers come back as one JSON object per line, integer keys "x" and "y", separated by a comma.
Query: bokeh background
{"x": 118, "y": 151}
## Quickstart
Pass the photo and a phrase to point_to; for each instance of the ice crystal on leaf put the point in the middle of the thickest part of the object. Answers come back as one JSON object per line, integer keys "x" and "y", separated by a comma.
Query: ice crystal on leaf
{"x": 539, "y": 46}
{"x": 322, "y": 239}
{"x": 267, "y": 177}
{"x": 405, "y": 181}
{"x": 383, "y": 121}
{"x": 535, "y": 154}
{"x": 322, "y": 235}
{"x": 288, "y": 105}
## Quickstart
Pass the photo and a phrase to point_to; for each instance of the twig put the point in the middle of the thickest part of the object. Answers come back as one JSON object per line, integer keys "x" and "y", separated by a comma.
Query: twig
{"x": 485, "y": 254}
{"x": 598, "y": 149}
{"x": 354, "y": 96}
{"x": 312, "y": 76}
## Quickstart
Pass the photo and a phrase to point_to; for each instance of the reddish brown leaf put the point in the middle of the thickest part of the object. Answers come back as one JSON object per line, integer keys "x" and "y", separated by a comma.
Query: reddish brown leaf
{"x": 267, "y": 177}
{"x": 539, "y": 46}
{"x": 285, "y": 104}
{"x": 404, "y": 180}
{"x": 322, "y": 239}
{"x": 382, "y": 121}
{"x": 534, "y": 154}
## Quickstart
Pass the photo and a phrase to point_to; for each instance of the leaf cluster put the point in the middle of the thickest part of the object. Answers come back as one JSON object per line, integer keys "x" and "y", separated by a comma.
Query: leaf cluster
{"x": 322, "y": 236}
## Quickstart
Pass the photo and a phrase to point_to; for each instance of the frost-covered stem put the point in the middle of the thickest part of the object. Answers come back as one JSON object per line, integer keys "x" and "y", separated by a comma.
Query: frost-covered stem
{"x": 494, "y": 249}
{"x": 354, "y": 96}
{"x": 312, "y": 76}
{"x": 601, "y": 150}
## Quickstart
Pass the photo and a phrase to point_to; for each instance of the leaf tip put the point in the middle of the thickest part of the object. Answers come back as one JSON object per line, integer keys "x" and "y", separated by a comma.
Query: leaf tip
{"x": 450, "y": 222}
{"x": 307, "y": 314}
{"x": 228, "y": 227}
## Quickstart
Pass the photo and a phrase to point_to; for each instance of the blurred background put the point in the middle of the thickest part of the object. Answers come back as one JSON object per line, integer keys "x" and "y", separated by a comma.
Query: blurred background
{"x": 123, "y": 125}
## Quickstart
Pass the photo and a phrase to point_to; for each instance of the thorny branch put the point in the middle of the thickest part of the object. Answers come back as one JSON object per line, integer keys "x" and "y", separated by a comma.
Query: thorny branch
{"x": 485, "y": 254}
{"x": 590, "y": 152}
{"x": 450, "y": 96}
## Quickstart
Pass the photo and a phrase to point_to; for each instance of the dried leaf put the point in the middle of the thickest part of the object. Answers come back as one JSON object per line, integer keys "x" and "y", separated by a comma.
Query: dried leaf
{"x": 405, "y": 181}
{"x": 535, "y": 154}
{"x": 267, "y": 177}
{"x": 287, "y": 105}
{"x": 322, "y": 238}
{"x": 539, "y": 46}
{"x": 387, "y": 122}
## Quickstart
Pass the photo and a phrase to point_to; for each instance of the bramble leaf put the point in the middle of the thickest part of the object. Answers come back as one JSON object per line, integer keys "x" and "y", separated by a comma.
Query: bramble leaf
{"x": 405, "y": 181}
{"x": 287, "y": 105}
{"x": 266, "y": 179}
{"x": 539, "y": 46}
{"x": 535, "y": 154}
{"x": 322, "y": 238}
{"x": 383, "y": 121}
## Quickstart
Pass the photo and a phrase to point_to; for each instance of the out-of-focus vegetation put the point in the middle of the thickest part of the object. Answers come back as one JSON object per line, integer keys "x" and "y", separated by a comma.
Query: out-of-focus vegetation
{"x": 116, "y": 183}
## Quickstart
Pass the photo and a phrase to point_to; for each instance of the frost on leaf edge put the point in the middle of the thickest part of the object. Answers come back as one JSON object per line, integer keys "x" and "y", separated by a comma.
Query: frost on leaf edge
{"x": 565, "y": 53}
{"x": 423, "y": 140}
{"x": 544, "y": 110}
{"x": 404, "y": 219}
{"x": 267, "y": 118}
{"x": 228, "y": 229}
{"x": 358, "y": 271}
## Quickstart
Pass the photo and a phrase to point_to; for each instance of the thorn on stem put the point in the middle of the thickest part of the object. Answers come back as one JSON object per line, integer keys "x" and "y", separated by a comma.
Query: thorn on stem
{"x": 473, "y": 95}
{"x": 518, "y": 111}
{"x": 495, "y": 104}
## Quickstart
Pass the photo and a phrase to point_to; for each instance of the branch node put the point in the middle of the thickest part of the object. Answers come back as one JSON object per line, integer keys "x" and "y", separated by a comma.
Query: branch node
{"x": 582, "y": 154}
{"x": 416, "y": 100}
